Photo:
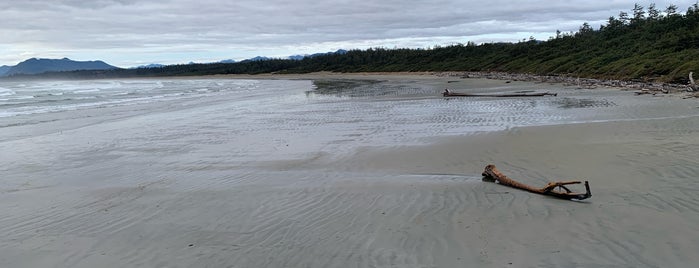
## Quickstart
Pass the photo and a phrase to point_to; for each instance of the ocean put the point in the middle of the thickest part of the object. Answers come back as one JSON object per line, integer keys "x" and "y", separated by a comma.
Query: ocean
{"x": 394, "y": 112}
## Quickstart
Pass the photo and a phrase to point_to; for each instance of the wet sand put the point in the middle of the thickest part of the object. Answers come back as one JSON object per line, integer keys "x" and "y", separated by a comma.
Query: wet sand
{"x": 200, "y": 183}
{"x": 642, "y": 213}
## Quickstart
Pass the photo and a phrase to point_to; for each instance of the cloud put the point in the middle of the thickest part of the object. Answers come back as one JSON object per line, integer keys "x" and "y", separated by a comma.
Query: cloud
{"x": 243, "y": 28}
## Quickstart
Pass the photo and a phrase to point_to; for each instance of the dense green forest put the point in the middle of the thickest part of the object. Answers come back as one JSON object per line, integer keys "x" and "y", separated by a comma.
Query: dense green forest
{"x": 646, "y": 44}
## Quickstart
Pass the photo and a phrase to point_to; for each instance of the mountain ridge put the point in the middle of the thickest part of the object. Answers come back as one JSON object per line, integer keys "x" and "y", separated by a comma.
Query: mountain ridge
{"x": 4, "y": 69}
{"x": 38, "y": 66}
{"x": 34, "y": 66}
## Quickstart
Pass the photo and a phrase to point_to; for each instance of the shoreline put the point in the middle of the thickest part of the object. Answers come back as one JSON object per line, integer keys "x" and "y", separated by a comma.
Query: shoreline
{"x": 641, "y": 88}
{"x": 586, "y": 83}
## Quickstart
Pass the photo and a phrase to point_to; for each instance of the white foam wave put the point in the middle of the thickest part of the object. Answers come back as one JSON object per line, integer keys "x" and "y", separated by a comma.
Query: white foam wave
{"x": 86, "y": 91}
{"x": 41, "y": 97}
{"x": 6, "y": 92}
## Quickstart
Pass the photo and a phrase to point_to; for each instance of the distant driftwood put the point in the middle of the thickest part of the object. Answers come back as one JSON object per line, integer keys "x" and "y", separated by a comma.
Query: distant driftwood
{"x": 555, "y": 189}
{"x": 448, "y": 93}
{"x": 691, "y": 87}
{"x": 652, "y": 88}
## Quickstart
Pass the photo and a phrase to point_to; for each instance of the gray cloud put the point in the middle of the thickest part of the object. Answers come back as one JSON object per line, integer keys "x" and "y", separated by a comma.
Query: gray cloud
{"x": 131, "y": 32}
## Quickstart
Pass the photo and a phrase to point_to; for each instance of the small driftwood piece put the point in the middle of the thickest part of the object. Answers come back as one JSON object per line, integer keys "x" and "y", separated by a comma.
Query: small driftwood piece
{"x": 448, "y": 93}
{"x": 555, "y": 189}
{"x": 651, "y": 92}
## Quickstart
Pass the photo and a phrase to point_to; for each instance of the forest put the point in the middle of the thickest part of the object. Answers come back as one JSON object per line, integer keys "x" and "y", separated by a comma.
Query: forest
{"x": 644, "y": 44}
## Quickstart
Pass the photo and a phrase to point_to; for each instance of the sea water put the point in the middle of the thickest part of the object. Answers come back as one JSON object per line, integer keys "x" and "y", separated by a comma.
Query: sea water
{"x": 335, "y": 111}
{"x": 36, "y": 97}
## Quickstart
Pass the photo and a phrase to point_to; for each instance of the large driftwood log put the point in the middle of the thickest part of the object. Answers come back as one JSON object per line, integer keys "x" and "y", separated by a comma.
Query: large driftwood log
{"x": 556, "y": 189}
{"x": 448, "y": 93}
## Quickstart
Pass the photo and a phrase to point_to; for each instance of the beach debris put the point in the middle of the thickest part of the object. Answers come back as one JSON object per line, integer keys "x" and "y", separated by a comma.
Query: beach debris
{"x": 581, "y": 83}
{"x": 448, "y": 93}
{"x": 645, "y": 91}
{"x": 555, "y": 189}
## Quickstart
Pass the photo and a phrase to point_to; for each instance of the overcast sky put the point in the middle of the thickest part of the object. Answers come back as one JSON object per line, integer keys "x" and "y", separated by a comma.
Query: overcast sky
{"x": 129, "y": 33}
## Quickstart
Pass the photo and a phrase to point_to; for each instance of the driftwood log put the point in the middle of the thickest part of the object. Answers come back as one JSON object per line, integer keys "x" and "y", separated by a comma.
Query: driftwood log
{"x": 652, "y": 92}
{"x": 555, "y": 189}
{"x": 448, "y": 93}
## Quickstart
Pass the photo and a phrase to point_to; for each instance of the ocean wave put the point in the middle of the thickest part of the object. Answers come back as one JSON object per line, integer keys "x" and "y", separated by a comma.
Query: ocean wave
{"x": 6, "y": 92}
{"x": 61, "y": 97}
{"x": 36, "y": 109}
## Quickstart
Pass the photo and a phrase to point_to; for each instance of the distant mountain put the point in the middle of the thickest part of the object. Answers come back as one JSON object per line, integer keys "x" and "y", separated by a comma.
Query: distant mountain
{"x": 300, "y": 57}
{"x": 4, "y": 69}
{"x": 258, "y": 58}
{"x": 152, "y": 65}
{"x": 339, "y": 51}
{"x": 37, "y": 66}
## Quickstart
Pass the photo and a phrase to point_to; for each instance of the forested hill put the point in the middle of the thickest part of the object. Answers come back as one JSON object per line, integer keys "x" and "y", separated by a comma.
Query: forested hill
{"x": 644, "y": 44}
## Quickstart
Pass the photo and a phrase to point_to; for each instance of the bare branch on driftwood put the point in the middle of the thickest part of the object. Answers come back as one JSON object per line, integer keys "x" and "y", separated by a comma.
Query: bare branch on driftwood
{"x": 692, "y": 85}
{"x": 492, "y": 174}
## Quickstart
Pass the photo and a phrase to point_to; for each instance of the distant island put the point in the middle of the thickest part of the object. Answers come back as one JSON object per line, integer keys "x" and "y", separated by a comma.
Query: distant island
{"x": 647, "y": 44}
{"x": 35, "y": 66}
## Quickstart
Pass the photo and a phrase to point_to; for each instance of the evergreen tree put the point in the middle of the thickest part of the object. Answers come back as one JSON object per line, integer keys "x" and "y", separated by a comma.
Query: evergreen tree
{"x": 671, "y": 10}
{"x": 638, "y": 13}
{"x": 653, "y": 13}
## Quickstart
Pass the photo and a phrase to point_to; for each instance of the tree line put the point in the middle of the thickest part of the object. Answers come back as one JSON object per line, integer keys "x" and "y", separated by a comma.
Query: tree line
{"x": 646, "y": 44}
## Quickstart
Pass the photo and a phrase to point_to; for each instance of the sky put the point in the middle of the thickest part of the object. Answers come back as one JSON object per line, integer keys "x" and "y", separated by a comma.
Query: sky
{"x": 129, "y": 33}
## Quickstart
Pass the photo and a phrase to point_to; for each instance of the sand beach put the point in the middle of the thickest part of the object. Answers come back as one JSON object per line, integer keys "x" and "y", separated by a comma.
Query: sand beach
{"x": 342, "y": 170}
